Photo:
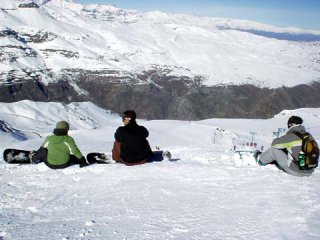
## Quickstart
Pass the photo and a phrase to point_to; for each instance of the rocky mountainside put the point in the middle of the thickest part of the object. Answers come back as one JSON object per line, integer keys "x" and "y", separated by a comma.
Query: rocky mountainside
{"x": 163, "y": 65}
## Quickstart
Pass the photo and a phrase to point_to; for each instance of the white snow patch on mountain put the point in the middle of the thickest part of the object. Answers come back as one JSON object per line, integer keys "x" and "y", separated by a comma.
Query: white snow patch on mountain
{"x": 96, "y": 37}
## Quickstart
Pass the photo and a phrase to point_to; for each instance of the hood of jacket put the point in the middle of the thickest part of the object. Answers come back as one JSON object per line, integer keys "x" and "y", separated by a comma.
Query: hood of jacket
{"x": 297, "y": 128}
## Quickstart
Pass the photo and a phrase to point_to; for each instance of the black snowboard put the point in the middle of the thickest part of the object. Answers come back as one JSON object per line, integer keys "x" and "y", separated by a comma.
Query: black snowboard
{"x": 17, "y": 156}
{"x": 100, "y": 158}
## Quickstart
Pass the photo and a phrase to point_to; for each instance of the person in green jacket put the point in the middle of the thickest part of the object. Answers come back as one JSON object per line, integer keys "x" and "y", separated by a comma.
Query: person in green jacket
{"x": 59, "y": 150}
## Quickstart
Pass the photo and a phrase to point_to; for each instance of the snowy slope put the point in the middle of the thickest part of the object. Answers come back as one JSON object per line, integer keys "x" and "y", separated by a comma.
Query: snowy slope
{"x": 98, "y": 37}
{"x": 203, "y": 195}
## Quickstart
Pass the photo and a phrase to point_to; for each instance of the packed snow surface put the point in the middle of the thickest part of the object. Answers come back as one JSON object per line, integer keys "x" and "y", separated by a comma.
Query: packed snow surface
{"x": 202, "y": 194}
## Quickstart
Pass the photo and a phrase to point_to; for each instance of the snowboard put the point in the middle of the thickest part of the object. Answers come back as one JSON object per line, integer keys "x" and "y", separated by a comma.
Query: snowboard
{"x": 103, "y": 158}
{"x": 244, "y": 158}
{"x": 100, "y": 158}
{"x": 17, "y": 156}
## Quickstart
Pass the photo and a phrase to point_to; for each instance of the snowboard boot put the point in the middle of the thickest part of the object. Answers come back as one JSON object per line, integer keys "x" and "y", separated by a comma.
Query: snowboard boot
{"x": 257, "y": 156}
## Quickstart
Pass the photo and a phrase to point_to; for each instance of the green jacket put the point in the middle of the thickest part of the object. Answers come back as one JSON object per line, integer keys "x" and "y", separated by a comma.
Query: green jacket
{"x": 60, "y": 148}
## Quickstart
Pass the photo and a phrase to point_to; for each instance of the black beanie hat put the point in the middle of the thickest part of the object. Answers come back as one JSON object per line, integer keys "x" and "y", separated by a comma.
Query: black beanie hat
{"x": 294, "y": 120}
{"x": 130, "y": 114}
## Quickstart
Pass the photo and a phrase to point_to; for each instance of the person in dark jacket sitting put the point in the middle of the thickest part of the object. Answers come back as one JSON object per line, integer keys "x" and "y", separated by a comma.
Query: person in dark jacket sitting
{"x": 131, "y": 146}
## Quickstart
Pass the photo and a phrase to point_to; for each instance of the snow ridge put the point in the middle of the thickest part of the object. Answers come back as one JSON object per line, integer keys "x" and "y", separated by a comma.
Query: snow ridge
{"x": 59, "y": 35}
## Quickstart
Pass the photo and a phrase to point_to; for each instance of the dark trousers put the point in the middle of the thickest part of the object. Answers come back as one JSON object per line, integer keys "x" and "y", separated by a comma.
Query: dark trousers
{"x": 155, "y": 157}
{"x": 41, "y": 156}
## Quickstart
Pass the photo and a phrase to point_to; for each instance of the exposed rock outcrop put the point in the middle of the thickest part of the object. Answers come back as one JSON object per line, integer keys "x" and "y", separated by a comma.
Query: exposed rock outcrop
{"x": 156, "y": 96}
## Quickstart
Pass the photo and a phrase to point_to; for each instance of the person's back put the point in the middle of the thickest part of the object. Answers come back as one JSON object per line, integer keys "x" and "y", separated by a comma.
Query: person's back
{"x": 285, "y": 150}
{"x": 133, "y": 138}
{"x": 291, "y": 142}
{"x": 61, "y": 149}
{"x": 134, "y": 146}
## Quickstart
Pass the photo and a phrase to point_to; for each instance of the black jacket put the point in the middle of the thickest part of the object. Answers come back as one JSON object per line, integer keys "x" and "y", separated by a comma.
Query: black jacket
{"x": 134, "y": 145}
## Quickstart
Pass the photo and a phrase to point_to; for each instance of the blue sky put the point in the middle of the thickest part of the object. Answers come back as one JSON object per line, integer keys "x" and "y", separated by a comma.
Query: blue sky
{"x": 284, "y": 13}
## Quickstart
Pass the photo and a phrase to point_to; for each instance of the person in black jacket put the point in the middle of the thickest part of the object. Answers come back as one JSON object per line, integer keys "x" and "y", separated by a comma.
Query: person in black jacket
{"x": 131, "y": 146}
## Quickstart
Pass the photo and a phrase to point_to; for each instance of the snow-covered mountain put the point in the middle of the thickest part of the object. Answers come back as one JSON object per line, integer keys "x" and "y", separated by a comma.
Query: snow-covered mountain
{"x": 27, "y": 121}
{"x": 203, "y": 195}
{"x": 163, "y": 65}
{"x": 47, "y": 38}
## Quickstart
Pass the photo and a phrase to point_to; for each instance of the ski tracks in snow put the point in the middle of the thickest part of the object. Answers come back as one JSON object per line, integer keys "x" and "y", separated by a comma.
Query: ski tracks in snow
{"x": 203, "y": 195}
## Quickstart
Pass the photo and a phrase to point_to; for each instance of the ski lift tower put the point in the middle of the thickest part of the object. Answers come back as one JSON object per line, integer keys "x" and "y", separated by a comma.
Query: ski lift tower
{"x": 253, "y": 134}
{"x": 280, "y": 131}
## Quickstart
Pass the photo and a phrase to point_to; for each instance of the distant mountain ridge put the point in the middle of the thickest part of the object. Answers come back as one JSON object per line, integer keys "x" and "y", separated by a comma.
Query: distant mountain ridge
{"x": 64, "y": 51}
{"x": 60, "y": 35}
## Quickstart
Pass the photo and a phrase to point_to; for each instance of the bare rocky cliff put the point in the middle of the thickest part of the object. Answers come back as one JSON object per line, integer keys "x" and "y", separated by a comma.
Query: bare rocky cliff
{"x": 156, "y": 96}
